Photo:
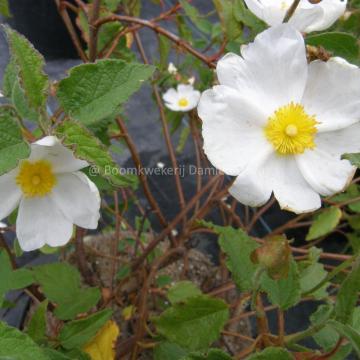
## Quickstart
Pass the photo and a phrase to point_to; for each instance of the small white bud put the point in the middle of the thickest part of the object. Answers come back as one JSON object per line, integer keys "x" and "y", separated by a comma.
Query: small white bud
{"x": 160, "y": 165}
{"x": 191, "y": 81}
{"x": 172, "y": 69}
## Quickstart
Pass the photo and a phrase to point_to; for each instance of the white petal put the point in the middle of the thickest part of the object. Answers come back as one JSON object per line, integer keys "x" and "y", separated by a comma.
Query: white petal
{"x": 337, "y": 143}
{"x": 78, "y": 198}
{"x": 290, "y": 188}
{"x": 332, "y": 10}
{"x": 10, "y": 194}
{"x": 326, "y": 174}
{"x": 306, "y": 17}
{"x": 170, "y": 96}
{"x": 40, "y": 222}
{"x": 332, "y": 94}
{"x": 193, "y": 99}
{"x": 273, "y": 70}
{"x": 62, "y": 159}
{"x": 184, "y": 89}
{"x": 232, "y": 129}
{"x": 252, "y": 187}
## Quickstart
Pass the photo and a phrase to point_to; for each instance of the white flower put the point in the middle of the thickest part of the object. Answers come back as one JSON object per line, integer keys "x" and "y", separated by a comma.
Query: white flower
{"x": 160, "y": 165}
{"x": 191, "y": 80}
{"x": 52, "y": 195}
{"x": 172, "y": 69}
{"x": 185, "y": 98}
{"x": 281, "y": 125}
{"x": 308, "y": 17}
{"x": 1, "y": 94}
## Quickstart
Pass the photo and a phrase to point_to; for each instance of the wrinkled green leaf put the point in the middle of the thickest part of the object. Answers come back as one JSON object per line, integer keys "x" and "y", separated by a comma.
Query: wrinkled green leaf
{"x": 237, "y": 246}
{"x": 271, "y": 353}
{"x": 12, "y": 146}
{"x": 87, "y": 147}
{"x": 312, "y": 273}
{"x": 74, "y": 300}
{"x": 15, "y": 345}
{"x": 77, "y": 333}
{"x": 37, "y": 325}
{"x": 182, "y": 291}
{"x": 349, "y": 332}
{"x": 192, "y": 317}
{"x": 12, "y": 279}
{"x": 92, "y": 92}
{"x": 29, "y": 64}
{"x": 327, "y": 337}
{"x": 212, "y": 354}
{"x": 166, "y": 350}
{"x": 348, "y": 295}
{"x": 284, "y": 292}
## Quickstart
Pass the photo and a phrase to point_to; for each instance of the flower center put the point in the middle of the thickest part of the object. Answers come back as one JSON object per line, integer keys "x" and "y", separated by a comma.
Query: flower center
{"x": 291, "y": 130}
{"x": 35, "y": 179}
{"x": 183, "y": 102}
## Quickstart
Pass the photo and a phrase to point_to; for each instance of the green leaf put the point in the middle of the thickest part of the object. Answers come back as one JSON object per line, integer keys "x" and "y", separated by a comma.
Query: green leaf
{"x": 327, "y": 337}
{"x": 12, "y": 146}
{"x": 348, "y": 295}
{"x": 29, "y": 63}
{"x": 352, "y": 192}
{"x": 313, "y": 273}
{"x": 212, "y": 354}
{"x": 4, "y": 8}
{"x": 324, "y": 223}
{"x": 164, "y": 51}
{"x": 349, "y": 332}
{"x": 202, "y": 24}
{"x": 73, "y": 301}
{"x": 15, "y": 345}
{"x": 37, "y": 325}
{"x": 95, "y": 91}
{"x": 237, "y": 246}
{"x": 77, "y": 333}
{"x": 271, "y": 353}
{"x": 10, "y": 77}
{"x": 229, "y": 22}
{"x": 353, "y": 158}
{"x": 182, "y": 291}
{"x": 12, "y": 279}
{"x": 245, "y": 16}
{"x": 87, "y": 147}
{"x": 338, "y": 43}
{"x": 55, "y": 355}
{"x": 284, "y": 292}
{"x": 192, "y": 317}
{"x": 166, "y": 350}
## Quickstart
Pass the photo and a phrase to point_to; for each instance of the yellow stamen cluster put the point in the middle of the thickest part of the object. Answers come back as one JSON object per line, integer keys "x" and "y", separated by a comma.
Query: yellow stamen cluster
{"x": 291, "y": 130}
{"x": 36, "y": 179}
{"x": 183, "y": 102}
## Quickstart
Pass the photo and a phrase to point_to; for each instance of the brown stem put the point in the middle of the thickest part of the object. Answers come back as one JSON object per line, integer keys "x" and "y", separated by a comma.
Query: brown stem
{"x": 5, "y": 246}
{"x": 173, "y": 223}
{"x": 160, "y": 30}
{"x": 281, "y": 325}
{"x": 165, "y": 127}
{"x": 93, "y": 34}
{"x": 142, "y": 177}
{"x": 74, "y": 37}
{"x": 142, "y": 307}
{"x": 291, "y": 10}
{"x": 81, "y": 257}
